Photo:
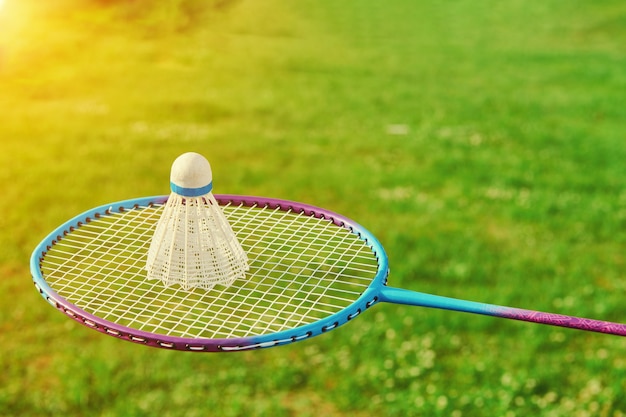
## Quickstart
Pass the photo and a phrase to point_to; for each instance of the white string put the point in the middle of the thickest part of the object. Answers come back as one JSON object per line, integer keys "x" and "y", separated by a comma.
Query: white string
{"x": 301, "y": 269}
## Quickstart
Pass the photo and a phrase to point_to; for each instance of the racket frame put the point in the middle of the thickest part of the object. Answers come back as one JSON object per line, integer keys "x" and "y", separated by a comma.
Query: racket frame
{"x": 367, "y": 299}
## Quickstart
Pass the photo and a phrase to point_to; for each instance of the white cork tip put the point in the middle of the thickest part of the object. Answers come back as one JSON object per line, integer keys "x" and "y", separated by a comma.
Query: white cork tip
{"x": 191, "y": 170}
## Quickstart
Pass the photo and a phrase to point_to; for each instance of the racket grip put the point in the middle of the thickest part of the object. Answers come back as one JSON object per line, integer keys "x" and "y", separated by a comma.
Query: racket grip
{"x": 561, "y": 320}
{"x": 402, "y": 296}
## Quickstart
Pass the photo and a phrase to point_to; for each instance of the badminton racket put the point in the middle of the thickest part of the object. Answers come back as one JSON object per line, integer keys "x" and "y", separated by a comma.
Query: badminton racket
{"x": 311, "y": 271}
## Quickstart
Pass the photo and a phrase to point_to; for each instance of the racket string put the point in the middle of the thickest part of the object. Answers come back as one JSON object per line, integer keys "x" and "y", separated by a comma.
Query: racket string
{"x": 302, "y": 268}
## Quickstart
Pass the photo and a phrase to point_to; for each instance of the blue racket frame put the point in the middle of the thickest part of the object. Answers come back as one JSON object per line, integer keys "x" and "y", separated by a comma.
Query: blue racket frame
{"x": 366, "y": 300}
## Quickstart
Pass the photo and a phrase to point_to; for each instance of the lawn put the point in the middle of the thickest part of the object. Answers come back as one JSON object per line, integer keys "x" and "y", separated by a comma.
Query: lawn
{"x": 484, "y": 144}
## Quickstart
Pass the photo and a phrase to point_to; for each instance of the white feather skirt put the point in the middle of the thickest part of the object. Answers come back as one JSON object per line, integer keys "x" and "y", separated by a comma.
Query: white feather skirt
{"x": 194, "y": 246}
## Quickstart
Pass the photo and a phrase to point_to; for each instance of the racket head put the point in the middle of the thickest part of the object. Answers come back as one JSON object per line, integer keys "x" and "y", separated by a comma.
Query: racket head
{"x": 82, "y": 276}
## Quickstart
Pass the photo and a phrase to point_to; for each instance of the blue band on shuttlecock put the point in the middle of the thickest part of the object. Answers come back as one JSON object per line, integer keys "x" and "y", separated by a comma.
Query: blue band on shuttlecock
{"x": 191, "y": 192}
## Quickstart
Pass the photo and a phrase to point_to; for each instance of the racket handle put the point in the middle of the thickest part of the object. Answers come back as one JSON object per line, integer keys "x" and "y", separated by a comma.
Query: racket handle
{"x": 401, "y": 296}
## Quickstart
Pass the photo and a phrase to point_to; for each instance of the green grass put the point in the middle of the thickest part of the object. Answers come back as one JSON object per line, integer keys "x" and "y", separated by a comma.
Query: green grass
{"x": 483, "y": 143}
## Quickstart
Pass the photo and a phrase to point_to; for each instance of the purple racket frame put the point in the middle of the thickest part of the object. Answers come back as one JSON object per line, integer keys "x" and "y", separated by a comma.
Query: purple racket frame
{"x": 377, "y": 292}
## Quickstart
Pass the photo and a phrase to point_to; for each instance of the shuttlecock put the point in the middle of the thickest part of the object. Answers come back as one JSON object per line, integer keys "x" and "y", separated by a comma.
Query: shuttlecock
{"x": 193, "y": 244}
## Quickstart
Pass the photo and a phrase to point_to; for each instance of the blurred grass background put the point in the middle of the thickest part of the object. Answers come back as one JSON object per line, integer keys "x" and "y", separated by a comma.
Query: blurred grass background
{"x": 483, "y": 143}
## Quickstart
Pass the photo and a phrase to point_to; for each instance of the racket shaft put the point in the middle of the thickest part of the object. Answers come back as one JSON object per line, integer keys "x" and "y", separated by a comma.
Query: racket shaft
{"x": 401, "y": 296}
